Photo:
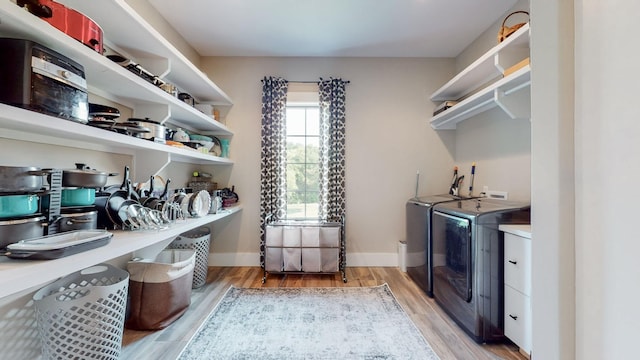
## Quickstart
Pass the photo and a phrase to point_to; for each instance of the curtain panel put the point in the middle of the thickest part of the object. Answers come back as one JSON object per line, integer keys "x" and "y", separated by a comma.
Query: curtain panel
{"x": 332, "y": 149}
{"x": 273, "y": 186}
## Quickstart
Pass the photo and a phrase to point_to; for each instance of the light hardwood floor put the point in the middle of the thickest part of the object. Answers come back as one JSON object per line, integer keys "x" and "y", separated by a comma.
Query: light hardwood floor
{"x": 445, "y": 337}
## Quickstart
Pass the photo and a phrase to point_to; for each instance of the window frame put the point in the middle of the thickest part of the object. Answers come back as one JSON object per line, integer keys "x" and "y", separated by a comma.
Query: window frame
{"x": 304, "y": 102}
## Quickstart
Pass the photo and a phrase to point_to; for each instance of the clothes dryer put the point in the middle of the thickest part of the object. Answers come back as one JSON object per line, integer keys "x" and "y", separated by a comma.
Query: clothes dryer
{"x": 468, "y": 272}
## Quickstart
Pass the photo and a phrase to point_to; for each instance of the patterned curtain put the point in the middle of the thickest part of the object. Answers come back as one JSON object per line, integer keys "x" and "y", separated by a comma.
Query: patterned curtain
{"x": 332, "y": 149}
{"x": 273, "y": 158}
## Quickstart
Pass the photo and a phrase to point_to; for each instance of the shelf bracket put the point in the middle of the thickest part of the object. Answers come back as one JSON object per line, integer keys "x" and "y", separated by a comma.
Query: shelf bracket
{"x": 147, "y": 163}
{"x": 155, "y": 112}
{"x": 158, "y": 66}
{"x": 498, "y": 64}
{"x": 515, "y": 102}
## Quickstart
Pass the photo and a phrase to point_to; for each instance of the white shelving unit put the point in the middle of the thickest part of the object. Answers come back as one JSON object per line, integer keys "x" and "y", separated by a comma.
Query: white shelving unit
{"x": 112, "y": 81}
{"x": 119, "y": 22}
{"x": 126, "y": 29}
{"x": 21, "y": 124}
{"x": 18, "y": 275}
{"x": 507, "y": 92}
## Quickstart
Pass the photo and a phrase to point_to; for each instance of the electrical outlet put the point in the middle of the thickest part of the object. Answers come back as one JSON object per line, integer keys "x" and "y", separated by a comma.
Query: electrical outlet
{"x": 500, "y": 195}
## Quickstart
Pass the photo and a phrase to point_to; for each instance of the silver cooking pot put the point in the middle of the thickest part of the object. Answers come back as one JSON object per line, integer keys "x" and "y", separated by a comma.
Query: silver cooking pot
{"x": 12, "y": 231}
{"x": 78, "y": 219}
{"x": 83, "y": 176}
{"x": 157, "y": 133}
{"x": 20, "y": 178}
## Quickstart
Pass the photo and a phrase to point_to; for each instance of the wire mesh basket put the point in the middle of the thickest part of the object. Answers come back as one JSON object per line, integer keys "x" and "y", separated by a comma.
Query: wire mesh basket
{"x": 81, "y": 316}
{"x": 198, "y": 240}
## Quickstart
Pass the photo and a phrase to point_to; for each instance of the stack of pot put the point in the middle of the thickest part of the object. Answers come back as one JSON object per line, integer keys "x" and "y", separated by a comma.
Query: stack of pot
{"x": 20, "y": 216}
{"x": 79, "y": 187}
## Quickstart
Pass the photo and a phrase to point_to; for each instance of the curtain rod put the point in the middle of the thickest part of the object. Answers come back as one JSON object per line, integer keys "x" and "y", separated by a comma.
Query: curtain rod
{"x": 313, "y": 82}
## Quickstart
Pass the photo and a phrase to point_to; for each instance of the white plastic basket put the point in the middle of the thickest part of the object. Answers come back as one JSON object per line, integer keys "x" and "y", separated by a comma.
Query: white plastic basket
{"x": 81, "y": 316}
{"x": 198, "y": 240}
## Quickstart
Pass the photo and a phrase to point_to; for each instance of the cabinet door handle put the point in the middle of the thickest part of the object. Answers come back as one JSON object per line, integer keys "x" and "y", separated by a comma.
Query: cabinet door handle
{"x": 514, "y": 317}
{"x": 513, "y": 262}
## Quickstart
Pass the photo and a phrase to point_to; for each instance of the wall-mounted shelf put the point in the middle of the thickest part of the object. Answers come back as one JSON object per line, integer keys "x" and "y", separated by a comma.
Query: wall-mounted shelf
{"x": 510, "y": 93}
{"x": 119, "y": 21}
{"x": 502, "y": 93}
{"x": 19, "y": 275}
{"x": 488, "y": 67}
{"x": 112, "y": 81}
{"x": 21, "y": 124}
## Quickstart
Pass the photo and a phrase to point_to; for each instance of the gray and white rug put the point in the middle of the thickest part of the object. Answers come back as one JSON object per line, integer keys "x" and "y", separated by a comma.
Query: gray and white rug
{"x": 308, "y": 323}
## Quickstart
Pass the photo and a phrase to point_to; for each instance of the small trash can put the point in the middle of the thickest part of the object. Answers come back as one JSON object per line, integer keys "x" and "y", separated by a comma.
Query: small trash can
{"x": 81, "y": 316}
{"x": 160, "y": 289}
{"x": 198, "y": 240}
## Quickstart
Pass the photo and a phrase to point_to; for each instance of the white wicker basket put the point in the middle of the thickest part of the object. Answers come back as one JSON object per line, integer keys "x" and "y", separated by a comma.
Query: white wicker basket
{"x": 198, "y": 240}
{"x": 81, "y": 316}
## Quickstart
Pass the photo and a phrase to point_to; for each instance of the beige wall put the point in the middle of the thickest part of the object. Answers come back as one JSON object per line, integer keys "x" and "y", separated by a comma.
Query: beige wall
{"x": 489, "y": 37}
{"x": 388, "y": 140}
{"x": 500, "y": 146}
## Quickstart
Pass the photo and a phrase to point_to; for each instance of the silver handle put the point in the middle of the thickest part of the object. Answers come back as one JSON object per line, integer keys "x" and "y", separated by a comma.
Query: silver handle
{"x": 452, "y": 217}
{"x": 78, "y": 221}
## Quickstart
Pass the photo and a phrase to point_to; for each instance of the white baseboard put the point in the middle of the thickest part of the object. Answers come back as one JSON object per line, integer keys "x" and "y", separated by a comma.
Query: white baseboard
{"x": 353, "y": 259}
{"x": 234, "y": 259}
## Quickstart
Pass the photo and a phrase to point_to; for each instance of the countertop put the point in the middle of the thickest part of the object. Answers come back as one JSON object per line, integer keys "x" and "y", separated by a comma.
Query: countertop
{"x": 520, "y": 230}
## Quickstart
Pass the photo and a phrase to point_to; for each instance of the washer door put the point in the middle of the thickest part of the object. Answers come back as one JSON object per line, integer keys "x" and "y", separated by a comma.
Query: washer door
{"x": 452, "y": 253}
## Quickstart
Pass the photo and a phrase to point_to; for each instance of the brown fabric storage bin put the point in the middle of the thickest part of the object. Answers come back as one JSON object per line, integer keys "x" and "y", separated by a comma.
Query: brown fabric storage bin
{"x": 160, "y": 289}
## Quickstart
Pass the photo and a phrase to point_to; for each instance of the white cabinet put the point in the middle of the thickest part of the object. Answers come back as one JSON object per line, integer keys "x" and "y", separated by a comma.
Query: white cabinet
{"x": 510, "y": 93}
{"x": 517, "y": 284}
{"x": 127, "y": 30}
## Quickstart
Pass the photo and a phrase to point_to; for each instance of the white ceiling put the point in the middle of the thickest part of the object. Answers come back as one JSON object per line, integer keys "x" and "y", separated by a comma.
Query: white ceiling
{"x": 332, "y": 28}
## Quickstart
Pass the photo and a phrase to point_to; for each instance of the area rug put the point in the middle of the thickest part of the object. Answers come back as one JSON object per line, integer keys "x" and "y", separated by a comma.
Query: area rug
{"x": 308, "y": 323}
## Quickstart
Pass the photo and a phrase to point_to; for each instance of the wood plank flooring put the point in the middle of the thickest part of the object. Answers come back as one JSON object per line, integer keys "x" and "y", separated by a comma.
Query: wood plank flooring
{"x": 445, "y": 337}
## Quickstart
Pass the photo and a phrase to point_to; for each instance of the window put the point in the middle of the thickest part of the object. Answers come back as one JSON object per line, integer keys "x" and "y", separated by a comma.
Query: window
{"x": 303, "y": 160}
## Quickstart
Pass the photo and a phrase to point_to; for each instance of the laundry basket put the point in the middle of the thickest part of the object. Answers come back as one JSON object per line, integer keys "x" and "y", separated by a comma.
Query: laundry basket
{"x": 81, "y": 316}
{"x": 160, "y": 289}
{"x": 198, "y": 240}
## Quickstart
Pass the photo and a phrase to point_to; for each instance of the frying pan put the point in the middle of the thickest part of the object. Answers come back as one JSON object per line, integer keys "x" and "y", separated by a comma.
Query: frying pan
{"x": 127, "y": 215}
{"x": 118, "y": 194}
{"x": 116, "y": 200}
{"x": 103, "y": 111}
{"x": 145, "y": 195}
{"x": 131, "y": 194}
{"x": 156, "y": 203}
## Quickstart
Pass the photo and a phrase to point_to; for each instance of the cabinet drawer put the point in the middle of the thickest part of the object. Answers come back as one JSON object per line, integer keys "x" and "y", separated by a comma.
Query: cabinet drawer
{"x": 517, "y": 318}
{"x": 517, "y": 263}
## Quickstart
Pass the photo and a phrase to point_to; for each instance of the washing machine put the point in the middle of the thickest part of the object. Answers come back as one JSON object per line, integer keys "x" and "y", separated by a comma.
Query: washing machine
{"x": 418, "y": 238}
{"x": 468, "y": 269}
